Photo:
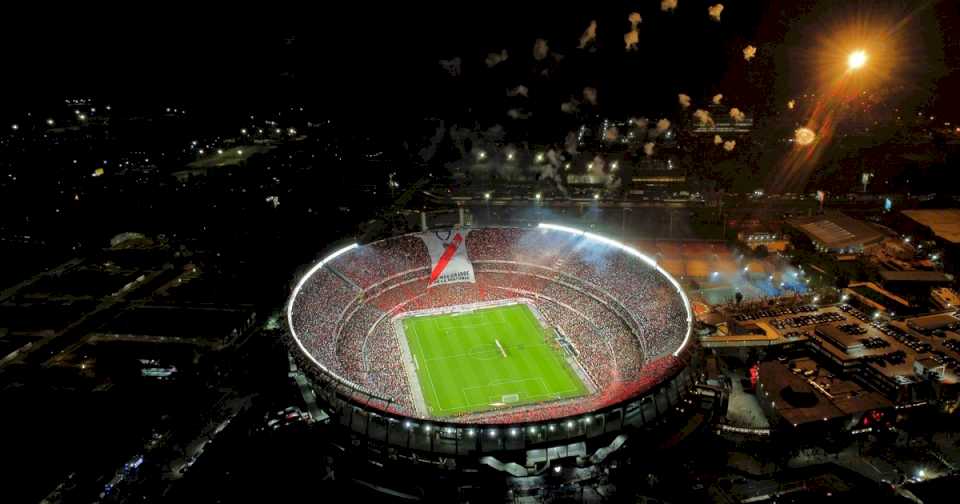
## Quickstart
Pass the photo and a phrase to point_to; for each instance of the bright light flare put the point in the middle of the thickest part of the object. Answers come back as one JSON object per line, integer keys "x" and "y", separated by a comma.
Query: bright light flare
{"x": 804, "y": 136}
{"x": 857, "y": 59}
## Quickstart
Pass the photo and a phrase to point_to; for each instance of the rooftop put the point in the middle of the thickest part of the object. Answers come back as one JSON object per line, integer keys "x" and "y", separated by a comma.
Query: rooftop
{"x": 835, "y": 230}
{"x": 944, "y": 222}
{"x": 915, "y": 276}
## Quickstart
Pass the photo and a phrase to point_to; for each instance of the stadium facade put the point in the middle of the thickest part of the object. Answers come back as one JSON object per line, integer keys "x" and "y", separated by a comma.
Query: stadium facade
{"x": 622, "y": 318}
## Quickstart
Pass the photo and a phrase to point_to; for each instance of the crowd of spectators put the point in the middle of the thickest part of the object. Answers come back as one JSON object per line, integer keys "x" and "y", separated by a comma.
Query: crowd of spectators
{"x": 621, "y": 315}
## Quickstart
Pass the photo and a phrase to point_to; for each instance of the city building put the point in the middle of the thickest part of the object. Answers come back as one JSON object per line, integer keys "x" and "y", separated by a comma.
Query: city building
{"x": 836, "y": 233}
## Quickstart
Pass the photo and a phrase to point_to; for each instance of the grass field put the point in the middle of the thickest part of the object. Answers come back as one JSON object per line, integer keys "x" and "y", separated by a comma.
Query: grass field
{"x": 462, "y": 370}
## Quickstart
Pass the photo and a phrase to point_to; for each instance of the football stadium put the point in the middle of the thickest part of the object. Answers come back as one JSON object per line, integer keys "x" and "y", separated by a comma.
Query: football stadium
{"x": 484, "y": 339}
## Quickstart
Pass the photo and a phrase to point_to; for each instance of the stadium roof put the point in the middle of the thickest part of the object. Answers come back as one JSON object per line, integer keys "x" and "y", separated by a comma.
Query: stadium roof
{"x": 835, "y": 230}
{"x": 945, "y": 222}
{"x": 915, "y": 276}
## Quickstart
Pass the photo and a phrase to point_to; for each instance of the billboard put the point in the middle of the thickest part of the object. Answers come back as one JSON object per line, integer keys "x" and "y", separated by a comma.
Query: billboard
{"x": 448, "y": 256}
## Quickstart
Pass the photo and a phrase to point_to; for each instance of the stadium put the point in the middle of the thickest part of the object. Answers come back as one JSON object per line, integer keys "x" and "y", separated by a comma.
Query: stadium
{"x": 477, "y": 340}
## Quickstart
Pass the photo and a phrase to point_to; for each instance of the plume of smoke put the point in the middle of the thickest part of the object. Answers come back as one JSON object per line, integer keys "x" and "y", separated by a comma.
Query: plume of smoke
{"x": 589, "y": 35}
{"x": 520, "y": 90}
{"x": 684, "y": 100}
{"x": 640, "y": 122}
{"x": 662, "y": 126}
{"x": 494, "y": 59}
{"x": 612, "y": 134}
{"x": 590, "y": 95}
{"x": 648, "y": 148}
{"x": 729, "y": 145}
{"x": 540, "y": 49}
{"x": 749, "y": 52}
{"x": 634, "y": 19}
{"x": 717, "y": 140}
{"x": 717, "y": 98}
{"x": 452, "y": 66}
{"x": 569, "y": 107}
{"x": 714, "y": 11}
{"x": 737, "y": 115}
{"x": 430, "y": 150}
{"x": 596, "y": 166}
{"x": 551, "y": 170}
{"x": 518, "y": 114}
{"x": 570, "y": 144}
{"x": 703, "y": 117}
{"x": 631, "y": 39}
{"x": 791, "y": 104}
{"x": 668, "y": 5}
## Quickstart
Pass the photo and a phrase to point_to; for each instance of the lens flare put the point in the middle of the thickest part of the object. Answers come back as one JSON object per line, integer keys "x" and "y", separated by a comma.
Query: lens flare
{"x": 856, "y": 60}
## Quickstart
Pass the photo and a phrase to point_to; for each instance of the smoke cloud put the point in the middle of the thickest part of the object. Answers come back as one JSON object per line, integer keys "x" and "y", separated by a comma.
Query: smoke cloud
{"x": 612, "y": 134}
{"x": 791, "y": 104}
{"x": 648, "y": 148}
{"x": 570, "y": 143}
{"x": 640, "y": 122}
{"x": 684, "y": 100}
{"x": 703, "y": 117}
{"x": 717, "y": 140}
{"x": 714, "y": 11}
{"x": 749, "y": 52}
{"x": 631, "y": 39}
{"x": 729, "y": 145}
{"x": 668, "y": 5}
{"x": 494, "y": 59}
{"x": 520, "y": 90}
{"x": 662, "y": 126}
{"x": 590, "y": 95}
{"x": 540, "y": 49}
{"x": 518, "y": 114}
{"x": 634, "y": 19}
{"x": 737, "y": 115}
{"x": 569, "y": 107}
{"x": 452, "y": 66}
{"x": 589, "y": 35}
{"x": 717, "y": 98}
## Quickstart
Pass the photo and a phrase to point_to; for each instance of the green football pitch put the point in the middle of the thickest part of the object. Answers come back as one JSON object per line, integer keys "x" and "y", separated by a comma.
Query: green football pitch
{"x": 461, "y": 369}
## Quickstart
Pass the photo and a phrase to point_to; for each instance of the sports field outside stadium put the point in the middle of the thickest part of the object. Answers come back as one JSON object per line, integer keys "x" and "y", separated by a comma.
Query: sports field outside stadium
{"x": 486, "y": 359}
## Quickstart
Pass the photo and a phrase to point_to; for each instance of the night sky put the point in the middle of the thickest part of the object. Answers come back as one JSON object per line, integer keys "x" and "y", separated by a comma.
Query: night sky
{"x": 382, "y": 61}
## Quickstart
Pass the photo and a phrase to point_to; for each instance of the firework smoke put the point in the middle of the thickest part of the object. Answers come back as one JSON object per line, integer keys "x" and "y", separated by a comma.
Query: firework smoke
{"x": 684, "y": 100}
{"x": 494, "y": 59}
{"x": 717, "y": 98}
{"x": 540, "y": 49}
{"x": 714, "y": 11}
{"x": 569, "y": 107}
{"x": 737, "y": 115}
{"x": 589, "y": 35}
{"x": 662, "y": 126}
{"x": 791, "y": 104}
{"x": 570, "y": 143}
{"x": 717, "y": 140}
{"x": 590, "y": 95}
{"x": 520, "y": 90}
{"x": 749, "y": 52}
{"x": 703, "y": 117}
{"x": 452, "y": 66}
{"x": 634, "y": 19}
{"x": 631, "y": 39}
{"x": 729, "y": 145}
{"x": 668, "y": 5}
{"x": 518, "y": 114}
{"x": 612, "y": 134}
{"x": 648, "y": 148}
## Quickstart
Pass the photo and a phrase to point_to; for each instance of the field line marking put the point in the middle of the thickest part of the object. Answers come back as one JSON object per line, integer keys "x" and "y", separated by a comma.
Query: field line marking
{"x": 426, "y": 367}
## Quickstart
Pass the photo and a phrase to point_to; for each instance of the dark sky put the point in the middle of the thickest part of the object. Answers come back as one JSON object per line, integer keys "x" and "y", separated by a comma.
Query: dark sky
{"x": 384, "y": 59}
